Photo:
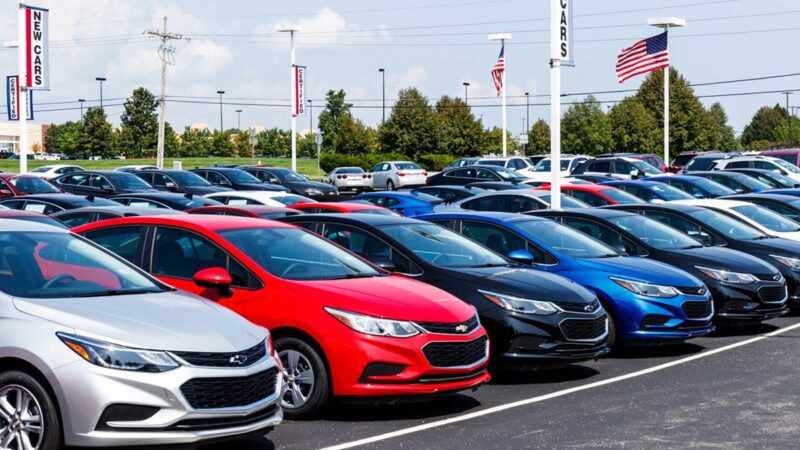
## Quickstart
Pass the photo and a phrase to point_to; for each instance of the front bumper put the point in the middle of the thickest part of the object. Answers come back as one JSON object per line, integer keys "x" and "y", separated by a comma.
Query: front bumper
{"x": 85, "y": 391}
{"x": 744, "y": 302}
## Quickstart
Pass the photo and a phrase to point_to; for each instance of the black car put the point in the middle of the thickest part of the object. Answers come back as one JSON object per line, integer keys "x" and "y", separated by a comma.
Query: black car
{"x": 738, "y": 182}
{"x": 292, "y": 180}
{"x": 714, "y": 228}
{"x": 591, "y": 178}
{"x": 102, "y": 183}
{"x": 89, "y": 214}
{"x": 236, "y": 179}
{"x": 180, "y": 181}
{"x": 469, "y": 174}
{"x": 497, "y": 185}
{"x": 165, "y": 200}
{"x": 743, "y": 287}
{"x": 53, "y": 203}
{"x": 786, "y": 205}
{"x": 775, "y": 180}
{"x": 524, "y": 311}
{"x": 450, "y": 194}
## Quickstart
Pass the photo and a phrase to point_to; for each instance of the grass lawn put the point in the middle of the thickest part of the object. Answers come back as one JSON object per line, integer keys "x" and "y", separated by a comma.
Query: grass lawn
{"x": 307, "y": 167}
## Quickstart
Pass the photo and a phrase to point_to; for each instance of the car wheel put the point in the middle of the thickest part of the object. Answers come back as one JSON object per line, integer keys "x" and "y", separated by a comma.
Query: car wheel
{"x": 611, "y": 339}
{"x": 307, "y": 384}
{"x": 28, "y": 416}
{"x": 390, "y": 185}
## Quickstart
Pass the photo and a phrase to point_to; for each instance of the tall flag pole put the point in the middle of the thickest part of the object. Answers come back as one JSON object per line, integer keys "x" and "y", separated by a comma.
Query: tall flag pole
{"x": 560, "y": 55}
{"x": 499, "y": 79}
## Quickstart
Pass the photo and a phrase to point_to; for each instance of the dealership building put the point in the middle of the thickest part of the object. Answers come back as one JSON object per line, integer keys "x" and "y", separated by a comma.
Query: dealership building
{"x": 9, "y": 136}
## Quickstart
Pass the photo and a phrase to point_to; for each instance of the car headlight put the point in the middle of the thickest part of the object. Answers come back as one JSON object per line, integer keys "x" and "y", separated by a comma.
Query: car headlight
{"x": 522, "y": 305}
{"x": 727, "y": 277}
{"x": 374, "y": 325}
{"x": 788, "y": 261}
{"x": 313, "y": 192}
{"x": 113, "y": 356}
{"x": 646, "y": 289}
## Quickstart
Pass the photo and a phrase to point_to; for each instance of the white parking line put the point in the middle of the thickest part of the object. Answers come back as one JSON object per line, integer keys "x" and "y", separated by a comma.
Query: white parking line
{"x": 541, "y": 398}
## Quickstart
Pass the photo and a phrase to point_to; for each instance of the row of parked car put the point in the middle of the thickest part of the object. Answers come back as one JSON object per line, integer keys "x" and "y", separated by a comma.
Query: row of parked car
{"x": 151, "y": 313}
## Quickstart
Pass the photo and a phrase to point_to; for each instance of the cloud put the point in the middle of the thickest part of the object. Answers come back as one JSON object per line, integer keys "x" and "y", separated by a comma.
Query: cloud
{"x": 413, "y": 77}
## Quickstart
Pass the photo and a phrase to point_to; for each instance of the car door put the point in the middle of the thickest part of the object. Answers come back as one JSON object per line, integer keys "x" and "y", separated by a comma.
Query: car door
{"x": 370, "y": 247}
{"x": 380, "y": 174}
{"x": 603, "y": 233}
{"x": 73, "y": 183}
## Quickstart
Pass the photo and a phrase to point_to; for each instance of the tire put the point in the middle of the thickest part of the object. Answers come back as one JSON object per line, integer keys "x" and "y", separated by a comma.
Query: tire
{"x": 611, "y": 339}
{"x": 39, "y": 403}
{"x": 390, "y": 185}
{"x": 311, "y": 400}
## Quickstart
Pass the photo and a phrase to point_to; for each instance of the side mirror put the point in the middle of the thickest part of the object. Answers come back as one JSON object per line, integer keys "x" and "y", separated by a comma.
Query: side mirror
{"x": 704, "y": 239}
{"x": 274, "y": 181}
{"x": 620, "y": 247}
{"x": 521, "y": 256}
{"x": 739, "y": 191}
{"x": 385, "y": 264}
{"x": 224, "y": 183}
{"x": 170, "y": 185}
{"x": 214, "y": 278}
{"x": 656, "y": 201}
{"x": 699, "y": 195}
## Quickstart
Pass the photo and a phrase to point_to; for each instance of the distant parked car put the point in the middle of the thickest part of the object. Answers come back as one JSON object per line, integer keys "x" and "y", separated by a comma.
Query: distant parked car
{"x": 697, "y": 187}
{"x": 738, "y": 182}
{"x": 51, "y": 203}
{"x": 516, "y": 163}
{"x": 391, "y": 175}
{"x": 349, "y": 179}
{"x": 450, "y": 194}
{"x": 703, "y": 161}
{"x": 471, "y": 174}
{"x": 786, "y": 205}
{"x": 492, "y": 186}
{"x": 79, "y": 216}
{"x": 408, "y": 204}
{"x": 259, "y": 198}
{"x": 680, "y": 161}
{"x": 773, "y": 179}
{"x": 342, "y": 208}
{"x": 102, "y": 183}
{"x": 776, "y": 165}
{"x": 164, "y": 200}
{"x": 597, "y": 194}
{"x": 135, "y": 168}
{"x": 567, "y": 165}
{"x": 763, "y": 219}
{"x": 622, "y": 167}
{"x": 237, "y": 179}
{"x": 12, "y": 185}
{"x": 790, "y": 155}
{"x": 461, "y": 162}
{"x": 650, "y": 191}
{"x": 257, "y": 211}
{"x": 650, "y": 158}
{"x": 54, "y": 171}
{"x": 180, "y": 181}
{"x": 515, "y": 201}
{"x": 287, "y": 178}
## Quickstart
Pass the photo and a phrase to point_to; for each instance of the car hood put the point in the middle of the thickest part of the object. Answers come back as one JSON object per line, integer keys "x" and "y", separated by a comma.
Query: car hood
{"x": 138, "y": 191}
{"x": 392, "y": 297}
{"x": 720, "y": 258}
{"x": 778, "y": 246}
{"x": 525, "y": 282}
{"x": 161, "y": 321}
{"x": 640, "y": 269}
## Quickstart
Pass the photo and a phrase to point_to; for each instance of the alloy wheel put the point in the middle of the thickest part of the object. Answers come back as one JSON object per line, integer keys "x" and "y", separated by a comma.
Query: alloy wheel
{"x": 21, "y": 419}
{"x": 299, "y": 376}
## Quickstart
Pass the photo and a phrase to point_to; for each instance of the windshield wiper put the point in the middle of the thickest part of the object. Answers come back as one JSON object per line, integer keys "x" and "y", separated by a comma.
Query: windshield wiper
{"x": 110, "y": 292}
{"x": 478, "y": 266}
{"x": 350, "y": 276}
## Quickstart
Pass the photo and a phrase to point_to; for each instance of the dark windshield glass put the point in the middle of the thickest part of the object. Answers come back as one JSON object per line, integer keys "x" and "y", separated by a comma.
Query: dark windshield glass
{"x": 128, "y": 181}
{"x": 33, "y": 185}
{"x": 654, "y": 233}
{"x": 566, "y": 240}
{"x": 189, "y": 179}
{"x": 442, "y": 247}
{"x": 240, "y": 176}
{"x": 726, "y": 225}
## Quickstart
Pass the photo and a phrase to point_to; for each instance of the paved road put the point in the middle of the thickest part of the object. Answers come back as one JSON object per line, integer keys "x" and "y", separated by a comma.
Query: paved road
{"x": 736, "y": 389}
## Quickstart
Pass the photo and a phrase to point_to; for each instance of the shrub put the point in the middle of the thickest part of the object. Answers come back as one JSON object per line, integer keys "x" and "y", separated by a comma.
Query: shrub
{"x": 435, "y": 162}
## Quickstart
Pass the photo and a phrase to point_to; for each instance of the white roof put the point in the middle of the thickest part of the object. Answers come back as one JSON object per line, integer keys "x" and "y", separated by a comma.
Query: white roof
{"x": 264, "y": 197}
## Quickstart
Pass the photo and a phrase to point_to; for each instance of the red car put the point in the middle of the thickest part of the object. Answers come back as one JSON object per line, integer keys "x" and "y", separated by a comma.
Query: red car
{"x": 13, "y": 185}
{"x": 341, "y": 326}
{"x": 343, "y": 208}
{"x": 680, "y": 161}
{"x": 258, "y": 211}
{"x": 597, "y": 194}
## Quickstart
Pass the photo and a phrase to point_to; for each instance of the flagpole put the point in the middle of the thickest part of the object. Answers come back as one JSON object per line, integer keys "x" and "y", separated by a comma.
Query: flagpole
{"x": 22, "y": 99}
{"x": 555, "y": 134}
{"x": 666, "y": 23}
{"x": 503, "y": 37}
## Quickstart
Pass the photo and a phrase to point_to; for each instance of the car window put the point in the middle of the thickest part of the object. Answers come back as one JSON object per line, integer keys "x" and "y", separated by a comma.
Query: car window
{"x": 602, "y": 233}
{"x": 638, "y": 191}
{"x": 780, "y": 209}
{"x": 730, "y": 183}
{"x": 679, "y": 223}
{"x": 32, "y": 185}
{"x": 74, "y": 219}
{"x": 739, "y": 165}
{"x": 565, "y": 239}
{"x": 142, "y": 203}
{"x": 687, "y": 187}
{"x": 589, "y": 198}
{"x": 462, "y": 173}
{"x": 123, "y": 241}
{"x": 599, "y": 166}
{"x": 767, "y": 219}
{"x": 369, "y": 246}
{"x": 75, "y": 180}
{"x": 215, "y": 178}
{"x": 160, "y": 180}
{"x": 41, "y": 207}
{"x": 486, "y": 175}
{"x": 498, "y": 239}
{"x": 100, "y": 182}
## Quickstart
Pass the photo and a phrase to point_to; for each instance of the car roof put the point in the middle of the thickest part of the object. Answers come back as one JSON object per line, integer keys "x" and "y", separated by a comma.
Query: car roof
{"x": 53, "y": 198}
{"x": 581, "y": 187}
{"x": 533, "y": 193}
{"x": 208, "y": 222}
{"x": 121, "y": 209}
{"x": 346, "y": 206}
{"x": 155, "y": 195}
{"x": 6, "y": 213}
{"x": 375, "y": 220}
{"x": 492, "y": 216}
{"x": 256, "y": 209}
{"x": 679, "y": 177}
{"x": 253, "y": 195}
{"x": 601, "y": 213}
{"x": 713, "y": 202}
{"x": 776, "y": 197}
{"x": 632, "y": 183}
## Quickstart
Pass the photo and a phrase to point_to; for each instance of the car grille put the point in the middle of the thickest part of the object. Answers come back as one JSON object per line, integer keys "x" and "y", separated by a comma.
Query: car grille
{"x": 584, "y": 329}
{"x": 579, "y": 307}
{"x": 455, "y": 354}
{"x": 223, "y": 422}
{"x": 230, "y": 392}
{"x": 692, "y": 290}
{"x": 244, "y": 358}
{"x": 696, "y": 310}
{"x": 772, "y": 294}
{"x": 450, "y": 327}
{"x": 768, "y": 277}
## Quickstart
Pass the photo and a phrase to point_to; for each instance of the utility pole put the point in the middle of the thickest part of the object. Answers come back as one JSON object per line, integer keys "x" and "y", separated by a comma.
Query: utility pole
{"x": 81, "y": 100}
{"x": 238, "y": 120}
{"x": 383, "y": 94}
{"x": 165, "y": 52}
{"x": 466, "y": 92}
{"x": 101, "y": 80}
{"x": 787, "y": 94}
{"x": 310, "y": 115}
{"x": 220, "y": 110}
{"x": 527, "y": 112}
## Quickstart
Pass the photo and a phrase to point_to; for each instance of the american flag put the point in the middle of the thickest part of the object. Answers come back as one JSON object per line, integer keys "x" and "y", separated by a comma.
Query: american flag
{"x": 644, "y": 56}
{"x": 498, "y": 69}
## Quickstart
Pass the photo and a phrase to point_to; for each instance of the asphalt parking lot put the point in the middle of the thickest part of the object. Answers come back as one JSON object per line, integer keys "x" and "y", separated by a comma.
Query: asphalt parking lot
{"x": 735, "y": 389}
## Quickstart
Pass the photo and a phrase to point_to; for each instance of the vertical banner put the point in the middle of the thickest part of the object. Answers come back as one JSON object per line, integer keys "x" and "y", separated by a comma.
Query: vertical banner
{"x": 37, "y": 48}
{"x": 561, "y": 32}
{"x": 298, "y": 90}
{"x": 12, "y": 98}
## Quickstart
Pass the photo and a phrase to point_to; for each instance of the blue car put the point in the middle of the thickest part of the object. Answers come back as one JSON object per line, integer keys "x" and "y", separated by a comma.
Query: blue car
{"x": 697, "y": 187}
{"x": 408, "y": 204}
{"x": 650, "y": 191}
{"x": 648, "y": 301}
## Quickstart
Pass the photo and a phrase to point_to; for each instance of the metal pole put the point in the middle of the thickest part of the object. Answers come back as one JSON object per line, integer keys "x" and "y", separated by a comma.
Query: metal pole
{"x": 23, "y": 92}
{"x": 81, "y": 100}
{"x": 555, "y": 134}
{"x": 238, "y": 120}
{"x": 503, "y": 88}
{"x": 466, "y": 92}
{"x": 666, "y": 115}
{"x": 294, "y": 118}
{"x": 383, "y": 94}
{"x": 101, "y": 80}
{"x": 162, "y": 101}
{"x": 310, "y": 116}
{"x": 221, "y": 128}
{"x": 527, "y": 113}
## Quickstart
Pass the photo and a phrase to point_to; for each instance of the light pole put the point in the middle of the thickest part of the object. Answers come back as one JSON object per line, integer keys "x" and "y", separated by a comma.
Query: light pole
{"x": 527, "y": 112}
{"x": 503, "y": 37}
{"x": 666, "y": 23}
{"x": 310, "y": 115}
{"x": 466, "y": 92}
{"x": 292, "y": 29}
{"x": 383, "y": 94}
{"x": 238, "y": 120}
{"x": 81, "y": 100}
{"x": 787, "y": 94}
{"x": 101, "y": 80}
{"x": 220, "y": 110}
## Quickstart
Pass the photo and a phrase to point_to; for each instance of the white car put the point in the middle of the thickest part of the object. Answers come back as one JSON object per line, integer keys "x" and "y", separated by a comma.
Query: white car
{"x": 758, "y": 217}
{"x": 349, "y": 179}
{"x": 391, "y": 175}
{"x": 541, "y": 172}
{"x": 518, "y": 163}
{"x": 776, "y": 165}
{"x": 54, "y": 171}
{"x": 266, "y": 198}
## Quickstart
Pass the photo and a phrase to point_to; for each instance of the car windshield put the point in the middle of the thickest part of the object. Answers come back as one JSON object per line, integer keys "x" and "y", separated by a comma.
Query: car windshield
{"x": 654, "y": 233}
{"x": 42, "y": 169}
{"x": 681, "y": 160}
{"x": 566, "y": 201}
{"x": 124, "y": 180}
{"x": 288, "y": 175}
{"x": 786, "y": 166}
{"x": 33, "y": 185}
{"x": 296, "y": 254}
{"x": 442, "y": 247}
{"x": 750, "y": 182}
{"x": 492, "y": 162}
{"x": 57, "y": 265}
{"x": 646, "y": 168}
{"x": 407, "y": 166}
{"x": 189, "y": 179}
{"x": 240, "y": 176}
{"x": 668, "y": 192}
{"x": 506, "y": 174}
{"x": 699, "y": 163}
{"x": 289, "y": 200}
{"x": 622, "y": 197}
{"x": 544, "y": 165}
{"x": 713, "y": 188}
{"x": 767, "y": 218}
{"x": 726, "y": 225}
{"x": 566, "y": 240}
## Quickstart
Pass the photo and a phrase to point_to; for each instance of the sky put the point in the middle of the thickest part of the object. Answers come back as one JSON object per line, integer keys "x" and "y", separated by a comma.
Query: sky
{"x": 433, "y": 45}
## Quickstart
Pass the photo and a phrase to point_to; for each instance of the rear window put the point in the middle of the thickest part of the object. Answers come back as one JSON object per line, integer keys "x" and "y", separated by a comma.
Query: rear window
{"x": 407, "y": 166}
{"x": 701, "y": 163}
{"x": 681, "y": 160}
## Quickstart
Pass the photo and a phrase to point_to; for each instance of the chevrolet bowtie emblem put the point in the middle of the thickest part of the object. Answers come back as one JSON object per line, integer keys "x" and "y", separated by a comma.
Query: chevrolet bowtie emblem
{"x": 461, "y": 328}
{"x": 238, "y": 359}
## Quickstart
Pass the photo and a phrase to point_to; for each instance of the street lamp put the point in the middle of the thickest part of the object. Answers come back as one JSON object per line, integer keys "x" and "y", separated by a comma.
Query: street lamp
{"x": 503, "y": 37}
{"x": 787, "y": 94}
{"x": 101, "y": 80}
{"x": 238, "y": 120}
{"x": 466, "y": 93}
{"x": 81, "y": 100}
{"x": 220, "y": 110}
{"x": 292, "y": 29}
{"x": 383, "y": 93}
{"x": 666, "y": 23}
{"x": 527, "y": 112}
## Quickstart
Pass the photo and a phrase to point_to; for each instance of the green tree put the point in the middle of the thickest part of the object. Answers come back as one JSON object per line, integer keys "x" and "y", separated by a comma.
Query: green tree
{"x": 274, "y": 142}
{"x": 586, "y": 129}
{"x": 633, "y": 127}
{"x": 330, "y": 119}
{"x": 788, "y": 133}
{"x": 222, "y": 144}
{"x": 172, "y": 143}
{"x": 139, "y": 124}
{"x": 412, "y": 127}
{"x": 353, "y": 138}
{"x": 462, "y": 133}
{"x": 195, "y": 143}
{"x": 539, "y": 138}
{"x": 763, "y": 125}
{"x": 307, "y": 145}
{"x": 493, "y": 142}
{"x": 96, "y": 135}
{"x": 63, "y": 138}
{"x": 727, "y": 138}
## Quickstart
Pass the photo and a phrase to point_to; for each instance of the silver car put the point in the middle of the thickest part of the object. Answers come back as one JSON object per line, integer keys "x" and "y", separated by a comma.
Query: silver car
{"x": 94, "y": 352}
{"x": 391, "y": 175}
{"x": 349, "y": 179}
